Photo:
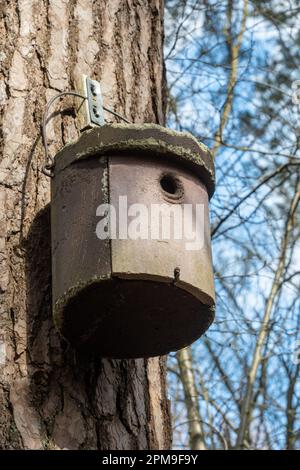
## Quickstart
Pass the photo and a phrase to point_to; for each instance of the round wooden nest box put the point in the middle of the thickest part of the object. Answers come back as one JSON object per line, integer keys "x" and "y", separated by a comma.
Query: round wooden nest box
{"x": 124, "y": 296}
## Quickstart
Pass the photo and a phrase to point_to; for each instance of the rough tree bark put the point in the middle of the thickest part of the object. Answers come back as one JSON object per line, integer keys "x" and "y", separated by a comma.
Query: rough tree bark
{"x": 49, "y": 397}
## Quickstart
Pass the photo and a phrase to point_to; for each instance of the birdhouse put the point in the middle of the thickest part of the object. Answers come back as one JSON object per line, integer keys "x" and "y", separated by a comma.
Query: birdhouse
{"x": 131, "y": 251}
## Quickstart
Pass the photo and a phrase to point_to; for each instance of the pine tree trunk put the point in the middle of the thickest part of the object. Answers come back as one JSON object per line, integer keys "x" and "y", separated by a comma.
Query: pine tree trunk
{"x": 49, "y": 397}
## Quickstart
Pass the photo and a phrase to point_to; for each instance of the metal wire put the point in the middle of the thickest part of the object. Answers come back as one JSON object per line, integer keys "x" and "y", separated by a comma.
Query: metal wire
{"x": 49, "y": 161}
{"x": 116, "y": 114}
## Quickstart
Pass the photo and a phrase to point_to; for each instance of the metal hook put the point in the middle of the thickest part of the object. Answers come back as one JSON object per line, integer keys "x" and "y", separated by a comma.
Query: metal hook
{"x": 49, "y": 162}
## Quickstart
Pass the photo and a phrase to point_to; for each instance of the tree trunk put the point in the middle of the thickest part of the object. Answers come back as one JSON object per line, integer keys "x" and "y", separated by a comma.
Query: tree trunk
{"x": 187, "y": 375}
{"x": 50, "y": 398}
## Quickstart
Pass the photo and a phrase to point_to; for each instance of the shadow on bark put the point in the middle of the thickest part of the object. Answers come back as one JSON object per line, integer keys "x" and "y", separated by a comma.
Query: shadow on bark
{"x": 53, "y": 369}
{"x": 42, "y": 338}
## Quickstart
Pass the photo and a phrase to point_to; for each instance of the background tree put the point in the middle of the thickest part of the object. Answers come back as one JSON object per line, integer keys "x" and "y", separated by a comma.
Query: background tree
{"x": 50, "y": 398}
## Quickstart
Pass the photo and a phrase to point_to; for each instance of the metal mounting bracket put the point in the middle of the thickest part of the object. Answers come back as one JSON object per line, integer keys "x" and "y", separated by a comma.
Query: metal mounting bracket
{"x": 95, "y": 102}
{"x": 90, "y": 111}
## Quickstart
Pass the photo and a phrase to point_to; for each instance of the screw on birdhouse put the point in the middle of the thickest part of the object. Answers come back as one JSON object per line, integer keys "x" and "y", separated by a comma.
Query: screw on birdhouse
{"x": 176, "y": 274}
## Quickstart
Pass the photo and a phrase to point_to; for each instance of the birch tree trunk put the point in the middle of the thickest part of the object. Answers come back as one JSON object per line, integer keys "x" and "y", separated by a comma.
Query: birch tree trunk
{"x": 187, "y": 375}
{"x": 49, "y": 397}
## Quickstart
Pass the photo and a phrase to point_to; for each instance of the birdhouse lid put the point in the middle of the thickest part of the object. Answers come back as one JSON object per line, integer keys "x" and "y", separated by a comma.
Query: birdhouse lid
{"x": 143, "y": 139}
